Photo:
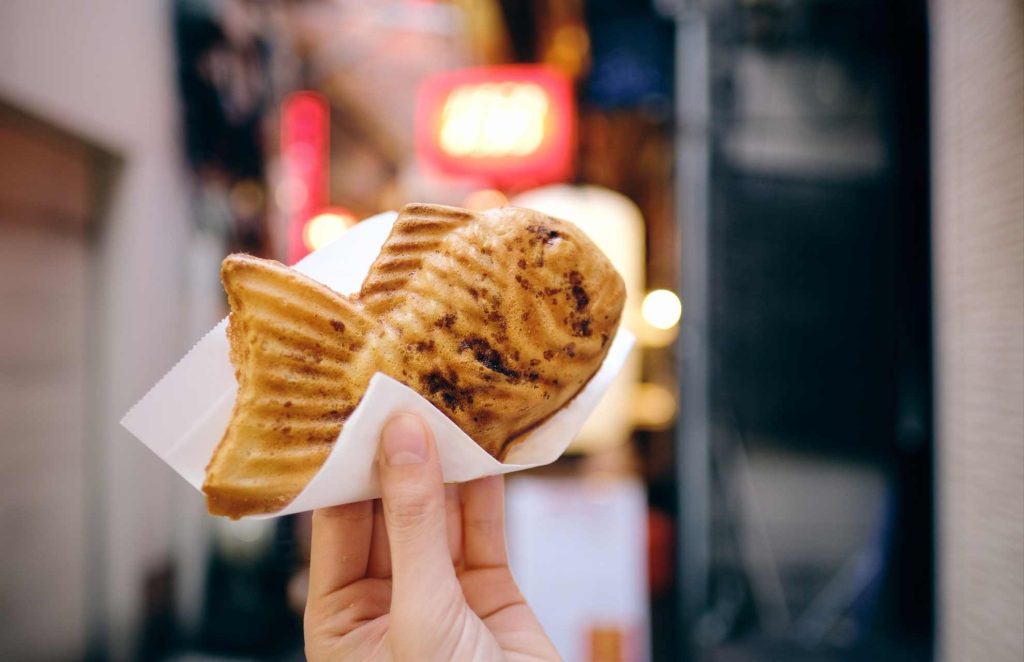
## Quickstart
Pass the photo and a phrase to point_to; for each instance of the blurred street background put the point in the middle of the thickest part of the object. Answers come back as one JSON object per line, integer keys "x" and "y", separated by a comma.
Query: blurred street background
{"x": 815, "y": 453}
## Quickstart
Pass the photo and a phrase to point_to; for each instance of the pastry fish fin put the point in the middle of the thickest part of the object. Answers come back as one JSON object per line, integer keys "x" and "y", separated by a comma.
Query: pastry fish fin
{"x": 418, "y": 231}
{"x": 299, "y": 351}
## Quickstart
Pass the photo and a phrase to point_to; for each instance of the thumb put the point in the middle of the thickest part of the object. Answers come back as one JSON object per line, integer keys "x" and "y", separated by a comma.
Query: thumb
{"x": 412, "y": 491}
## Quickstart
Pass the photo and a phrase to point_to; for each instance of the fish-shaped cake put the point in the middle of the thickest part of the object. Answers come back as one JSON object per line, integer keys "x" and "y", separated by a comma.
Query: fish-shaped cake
{"x": 498, "y": 318}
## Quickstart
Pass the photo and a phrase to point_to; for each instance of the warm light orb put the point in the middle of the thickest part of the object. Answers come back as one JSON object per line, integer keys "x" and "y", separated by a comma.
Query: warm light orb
{"x": 324, "y": 228}
{"x": 661, "y": 309}
{"x": 654, "y": 406}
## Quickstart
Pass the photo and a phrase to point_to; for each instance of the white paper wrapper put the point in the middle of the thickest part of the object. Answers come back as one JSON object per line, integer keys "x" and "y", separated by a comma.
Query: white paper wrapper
{"x": 183, "y": 417}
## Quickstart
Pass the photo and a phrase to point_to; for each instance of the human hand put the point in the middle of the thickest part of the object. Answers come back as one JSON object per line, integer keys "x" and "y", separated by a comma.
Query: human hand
{"x": 421, "y": 574}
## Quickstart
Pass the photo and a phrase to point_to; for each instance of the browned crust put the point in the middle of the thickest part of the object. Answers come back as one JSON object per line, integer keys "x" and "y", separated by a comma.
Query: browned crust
{"x": 446, "y": 309}
{"x": 521, "y": 435}
{"x": 227, "y": 503}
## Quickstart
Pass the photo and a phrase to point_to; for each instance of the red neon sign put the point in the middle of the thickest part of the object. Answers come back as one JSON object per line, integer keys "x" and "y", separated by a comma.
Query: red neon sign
{"x": 510, "y": 125}
{"x": 305, "y": 145}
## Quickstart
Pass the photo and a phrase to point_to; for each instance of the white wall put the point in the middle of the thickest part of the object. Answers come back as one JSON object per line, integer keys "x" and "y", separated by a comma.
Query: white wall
{"x": 978, "y": 137}
{"x": 104, "y": 69}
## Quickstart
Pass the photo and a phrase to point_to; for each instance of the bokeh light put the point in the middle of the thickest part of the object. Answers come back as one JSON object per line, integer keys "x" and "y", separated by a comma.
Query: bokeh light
{"x": 661, "y": 309}
{"x": 325, "y": 227}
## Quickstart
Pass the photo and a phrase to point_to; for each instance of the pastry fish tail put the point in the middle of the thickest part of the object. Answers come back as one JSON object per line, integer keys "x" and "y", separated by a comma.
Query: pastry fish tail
{"x": 297, "y": 348}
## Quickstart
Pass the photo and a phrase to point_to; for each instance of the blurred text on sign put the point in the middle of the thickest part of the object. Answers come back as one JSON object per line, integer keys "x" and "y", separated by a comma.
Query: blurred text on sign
{"x": 512, "y": 126}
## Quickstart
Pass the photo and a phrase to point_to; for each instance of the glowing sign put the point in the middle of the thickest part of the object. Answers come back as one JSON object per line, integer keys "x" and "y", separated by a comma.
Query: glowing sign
{"x": 305, "y": 144}
{"x": 494, "y": 120}
{"x": 510, "y": 125}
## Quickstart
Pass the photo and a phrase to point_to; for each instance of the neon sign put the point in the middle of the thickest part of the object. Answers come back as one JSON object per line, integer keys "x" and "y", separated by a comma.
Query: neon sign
{"x": 305, "y": 158}
{"x": 509, "y": 125}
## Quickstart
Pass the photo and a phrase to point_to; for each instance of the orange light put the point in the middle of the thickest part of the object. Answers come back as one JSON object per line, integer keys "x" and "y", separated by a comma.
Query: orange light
{"x": 325, "y": 227}
{"x": 654, "y": 406}
{"x": 487, "y": 198}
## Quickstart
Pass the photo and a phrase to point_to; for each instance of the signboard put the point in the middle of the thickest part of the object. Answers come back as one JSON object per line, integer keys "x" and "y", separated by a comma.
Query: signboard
{"x": 305, "y": 145}
{"x": 511, "y": 126}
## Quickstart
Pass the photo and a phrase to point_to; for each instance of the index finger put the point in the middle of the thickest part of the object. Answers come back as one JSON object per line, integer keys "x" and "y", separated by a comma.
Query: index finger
{"x": 340, "y": 547}
{"x": 483, "y": 523}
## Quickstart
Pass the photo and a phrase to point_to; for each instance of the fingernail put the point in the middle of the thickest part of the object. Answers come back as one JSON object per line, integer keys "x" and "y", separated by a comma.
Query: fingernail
{"x": 404, "y": 441}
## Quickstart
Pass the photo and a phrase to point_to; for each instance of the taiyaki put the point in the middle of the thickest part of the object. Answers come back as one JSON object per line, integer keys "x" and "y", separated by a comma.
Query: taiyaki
{"x": 498, "y": 318}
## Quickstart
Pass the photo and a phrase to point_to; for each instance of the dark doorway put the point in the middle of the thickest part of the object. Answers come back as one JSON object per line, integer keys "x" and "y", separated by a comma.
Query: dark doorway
{"x": 820, "y": 536}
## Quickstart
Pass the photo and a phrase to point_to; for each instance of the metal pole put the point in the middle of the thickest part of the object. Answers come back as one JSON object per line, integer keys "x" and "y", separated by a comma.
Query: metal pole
{"x": 692, "y": 192}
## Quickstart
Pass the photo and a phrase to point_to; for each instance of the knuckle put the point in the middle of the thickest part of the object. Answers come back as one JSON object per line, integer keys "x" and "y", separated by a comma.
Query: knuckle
{"x": 485, "y": 526}
{"x": 408, "y": 510}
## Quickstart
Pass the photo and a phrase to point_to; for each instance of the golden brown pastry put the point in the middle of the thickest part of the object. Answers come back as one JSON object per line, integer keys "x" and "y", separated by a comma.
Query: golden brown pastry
{"x": 498, "y": 318}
